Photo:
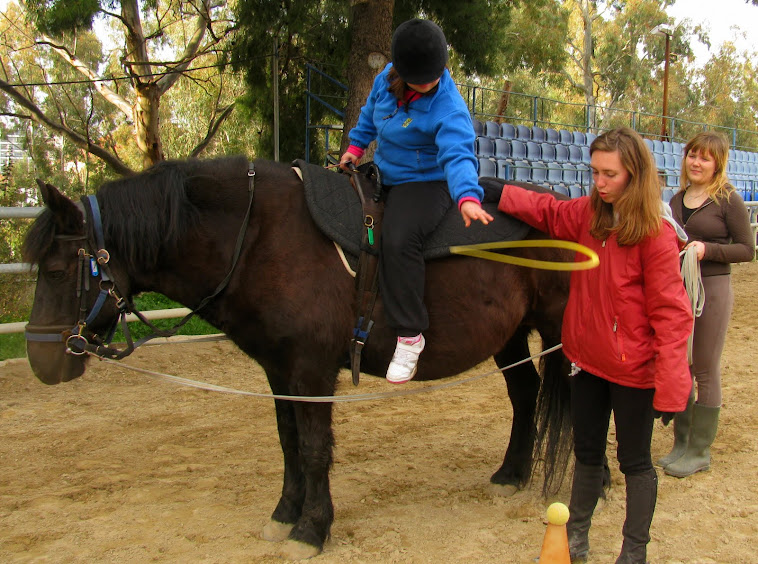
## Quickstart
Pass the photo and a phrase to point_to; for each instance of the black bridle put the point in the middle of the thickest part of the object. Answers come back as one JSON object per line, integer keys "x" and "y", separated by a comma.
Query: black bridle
{"x": 96, "y": 265}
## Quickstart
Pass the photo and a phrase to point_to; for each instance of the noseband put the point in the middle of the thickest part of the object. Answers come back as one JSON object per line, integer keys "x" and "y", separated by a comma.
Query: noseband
{"x": 96, "y": 265}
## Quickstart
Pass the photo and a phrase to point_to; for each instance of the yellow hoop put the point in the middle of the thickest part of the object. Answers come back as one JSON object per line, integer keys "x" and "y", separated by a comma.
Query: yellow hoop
{"x": 480, "y": 252}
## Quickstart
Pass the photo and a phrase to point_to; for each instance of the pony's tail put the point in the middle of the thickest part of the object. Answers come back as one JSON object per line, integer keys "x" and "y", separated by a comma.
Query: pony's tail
{"x": 554, "y": 437}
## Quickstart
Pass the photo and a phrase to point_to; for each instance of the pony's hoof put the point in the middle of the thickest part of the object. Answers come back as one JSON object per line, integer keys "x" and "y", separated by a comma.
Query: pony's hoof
{"x": 503, "y": 490}
{"x": 296, "y": 550}
{"x": 274, "y": 531}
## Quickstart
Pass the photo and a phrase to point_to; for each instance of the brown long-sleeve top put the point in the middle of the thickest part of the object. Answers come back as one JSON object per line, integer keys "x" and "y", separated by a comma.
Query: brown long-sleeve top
{"x": 724, "y": 226}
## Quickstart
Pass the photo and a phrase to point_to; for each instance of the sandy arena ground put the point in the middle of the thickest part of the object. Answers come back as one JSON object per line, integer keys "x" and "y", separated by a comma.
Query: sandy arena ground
{"x": 119, "y": 467}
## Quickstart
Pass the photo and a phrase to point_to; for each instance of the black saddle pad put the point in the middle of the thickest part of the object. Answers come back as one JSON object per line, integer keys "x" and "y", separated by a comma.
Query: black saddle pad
{"x": 336, "y": 209}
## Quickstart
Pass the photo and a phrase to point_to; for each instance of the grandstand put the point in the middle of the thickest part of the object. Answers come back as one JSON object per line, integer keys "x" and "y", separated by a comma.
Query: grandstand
{"x": 560, "y": 159}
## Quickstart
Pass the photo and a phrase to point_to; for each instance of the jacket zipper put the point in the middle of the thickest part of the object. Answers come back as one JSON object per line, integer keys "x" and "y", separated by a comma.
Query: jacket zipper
{"x": 619, "y": 339}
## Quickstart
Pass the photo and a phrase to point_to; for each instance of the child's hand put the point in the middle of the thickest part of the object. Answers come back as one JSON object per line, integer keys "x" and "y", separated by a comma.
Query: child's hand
{"x": 473, "y": 211}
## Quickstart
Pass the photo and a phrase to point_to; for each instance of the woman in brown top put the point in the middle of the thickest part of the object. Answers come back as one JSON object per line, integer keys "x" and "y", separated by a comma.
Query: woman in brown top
{"x": 718, "y": 226}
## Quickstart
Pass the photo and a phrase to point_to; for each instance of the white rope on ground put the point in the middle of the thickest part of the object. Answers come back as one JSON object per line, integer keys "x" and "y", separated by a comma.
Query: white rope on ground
{"x": 326, "y": 399}
{"x": 693, "y": 283}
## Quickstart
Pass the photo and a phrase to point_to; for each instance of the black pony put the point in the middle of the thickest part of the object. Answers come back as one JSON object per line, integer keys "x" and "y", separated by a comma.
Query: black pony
{"x": 289, "y": 304}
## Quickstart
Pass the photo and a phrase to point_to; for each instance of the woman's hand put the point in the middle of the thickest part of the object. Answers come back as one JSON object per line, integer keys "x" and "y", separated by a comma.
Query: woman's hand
{"x": 473, "y": 211}
{"x": 699, "y": 247}
{"x": 348, "y": 157}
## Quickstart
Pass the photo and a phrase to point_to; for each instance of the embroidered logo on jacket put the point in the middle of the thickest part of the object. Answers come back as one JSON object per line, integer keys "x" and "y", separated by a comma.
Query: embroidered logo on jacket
{"x": 407, "y": 122}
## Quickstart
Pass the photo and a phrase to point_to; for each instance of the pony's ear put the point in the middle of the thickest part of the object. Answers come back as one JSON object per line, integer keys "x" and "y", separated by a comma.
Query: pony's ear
{"x": 68, "y": 217}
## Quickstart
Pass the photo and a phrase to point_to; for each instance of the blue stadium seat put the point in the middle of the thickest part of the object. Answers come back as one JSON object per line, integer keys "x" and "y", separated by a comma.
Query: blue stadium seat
{"x": 554, "y": 174}
{"x": 578, "y": 138}
{"x": 533, "y": 151}
{"x": 478, "y": 127}
{"x": 584, "y": 174}
{"x": 575, "y": 154}
{"x": 521, "y": 171}
{"x": 660, "y": 162}
{"x": 565, "y": 137}
{"x": 649, "y": 143}
{"x": 570, "y": 174}
{"x": 491, "y": 129}
{"x": 487, "y": 167}
{"x": 561, "y": 153}
{"x": 667, "y": 194}
{"x": 539, "y": 173}
{"x": 485, "y": 147}
{"x": 657, "y": 146}
{"x": 668, "y": 147}
{"x": 507, "y": 131}
{"x": 586, "y": 153}
{"x": 538, "y": 134}
{"x": 502, "y": 149}
{"x": 672, "y": 180}
{"x": 561, "y": 189}
{"x": 518, "y": 150}
{"x": 504, "y": 169}
{"x": 552, "y": 136}
{"x": 548, "y": 152}
{"x": 669, "y": 162}
{"x": 589, "y": 138}
{"x": 575, "y": 191}
{"x": 523, "y": 132}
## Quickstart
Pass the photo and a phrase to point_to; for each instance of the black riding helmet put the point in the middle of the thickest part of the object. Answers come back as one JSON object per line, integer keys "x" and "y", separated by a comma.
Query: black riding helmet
{"x": 419, "y": 51}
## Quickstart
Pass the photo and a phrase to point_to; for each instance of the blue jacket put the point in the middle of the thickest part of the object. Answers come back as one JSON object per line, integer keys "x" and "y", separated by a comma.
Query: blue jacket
{"x": 433, "y": 140}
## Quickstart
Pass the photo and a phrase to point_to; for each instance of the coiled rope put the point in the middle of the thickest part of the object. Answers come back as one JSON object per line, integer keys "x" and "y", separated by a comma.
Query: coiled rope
{"x": 693, "y": 284}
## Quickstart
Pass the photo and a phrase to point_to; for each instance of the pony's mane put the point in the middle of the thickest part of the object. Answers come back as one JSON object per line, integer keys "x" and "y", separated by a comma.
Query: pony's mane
{"x": 145, "y": 215}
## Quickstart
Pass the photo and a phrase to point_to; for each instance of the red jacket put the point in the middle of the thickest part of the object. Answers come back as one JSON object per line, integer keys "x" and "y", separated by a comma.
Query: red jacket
{"x": 627, "y": 320}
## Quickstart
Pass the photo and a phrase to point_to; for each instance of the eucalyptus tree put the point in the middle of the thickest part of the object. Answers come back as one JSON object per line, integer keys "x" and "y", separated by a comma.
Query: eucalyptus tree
{"x": 161, "y": 42}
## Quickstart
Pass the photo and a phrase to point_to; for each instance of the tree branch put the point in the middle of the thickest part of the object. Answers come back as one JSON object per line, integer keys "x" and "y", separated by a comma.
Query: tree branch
{"x": 37, "y": 115}
{"x": 112, "y": 97}
{"x": 212, "y": 130}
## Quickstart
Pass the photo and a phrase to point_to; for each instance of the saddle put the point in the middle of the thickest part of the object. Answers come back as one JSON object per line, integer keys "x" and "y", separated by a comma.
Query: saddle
{"x": 337, "y": 211}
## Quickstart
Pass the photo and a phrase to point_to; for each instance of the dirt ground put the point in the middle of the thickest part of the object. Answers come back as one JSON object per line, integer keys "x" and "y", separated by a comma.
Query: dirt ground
{"x": 120, "y": 467}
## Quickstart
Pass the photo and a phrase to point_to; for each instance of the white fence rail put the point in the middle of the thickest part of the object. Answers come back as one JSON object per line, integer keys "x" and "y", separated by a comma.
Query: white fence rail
{"x": 21, "y": 268}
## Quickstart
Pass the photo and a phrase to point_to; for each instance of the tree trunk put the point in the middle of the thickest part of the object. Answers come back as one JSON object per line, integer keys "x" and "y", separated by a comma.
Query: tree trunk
{"x": 146, "y": 123}
{"x": 369, "y": 54}
{"x": 502, "y": 104}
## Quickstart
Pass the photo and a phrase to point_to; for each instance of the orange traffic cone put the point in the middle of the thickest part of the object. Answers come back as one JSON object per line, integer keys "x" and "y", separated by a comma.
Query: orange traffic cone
{"x": 555, "y": 548}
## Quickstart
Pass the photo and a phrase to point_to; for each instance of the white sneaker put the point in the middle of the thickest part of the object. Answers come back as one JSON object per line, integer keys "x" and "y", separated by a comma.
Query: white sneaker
{"x": 404, "y": 362}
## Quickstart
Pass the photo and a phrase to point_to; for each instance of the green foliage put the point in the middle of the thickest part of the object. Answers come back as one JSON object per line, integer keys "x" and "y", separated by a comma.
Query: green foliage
{"x": 56, "y": 17}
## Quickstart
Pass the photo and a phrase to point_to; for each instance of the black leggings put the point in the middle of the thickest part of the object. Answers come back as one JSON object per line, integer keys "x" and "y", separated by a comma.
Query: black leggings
{"x": 592, "y": 400}
{"x": 411, "y": 213}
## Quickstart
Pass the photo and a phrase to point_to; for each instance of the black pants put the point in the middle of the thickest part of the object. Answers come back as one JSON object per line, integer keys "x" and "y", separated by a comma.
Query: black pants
{"x": 412, "y": 211}
{"x": 592, "y": 400}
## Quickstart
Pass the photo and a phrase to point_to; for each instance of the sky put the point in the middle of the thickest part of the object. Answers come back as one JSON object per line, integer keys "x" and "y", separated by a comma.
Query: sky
{"x": 723, "y": 19}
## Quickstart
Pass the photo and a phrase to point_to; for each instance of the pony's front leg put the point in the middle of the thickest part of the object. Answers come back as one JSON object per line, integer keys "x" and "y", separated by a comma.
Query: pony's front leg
{"x": 290, "y": 505}
{"x": 304, "y": 514}
{"x": 316, "y": 441}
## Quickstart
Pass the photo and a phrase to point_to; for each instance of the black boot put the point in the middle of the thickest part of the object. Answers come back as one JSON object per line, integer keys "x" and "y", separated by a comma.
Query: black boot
{"x": 585, "y": 491}
{"x": 641, "y": 493}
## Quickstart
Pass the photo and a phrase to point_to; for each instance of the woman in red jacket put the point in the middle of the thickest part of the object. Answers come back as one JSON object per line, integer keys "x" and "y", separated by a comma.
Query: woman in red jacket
{"x": 625, "y": 328}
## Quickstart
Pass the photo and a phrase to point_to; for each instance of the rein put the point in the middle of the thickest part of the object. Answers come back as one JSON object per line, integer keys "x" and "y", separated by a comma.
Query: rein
{"x": 97, "y": 265}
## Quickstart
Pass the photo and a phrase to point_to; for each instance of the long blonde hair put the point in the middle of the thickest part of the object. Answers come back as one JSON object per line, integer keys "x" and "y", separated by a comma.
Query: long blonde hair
{"x": 715, "y": 144}
{"x": 637, "y": 212}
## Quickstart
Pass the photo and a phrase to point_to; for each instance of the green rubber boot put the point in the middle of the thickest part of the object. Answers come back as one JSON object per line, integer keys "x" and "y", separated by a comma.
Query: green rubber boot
{"x": 682, "y": 424}
{"x": 697, "y": 457}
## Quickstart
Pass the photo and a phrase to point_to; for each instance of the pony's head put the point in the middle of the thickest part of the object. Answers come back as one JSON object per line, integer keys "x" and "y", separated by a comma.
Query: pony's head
{"x": 68, "y": 286}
